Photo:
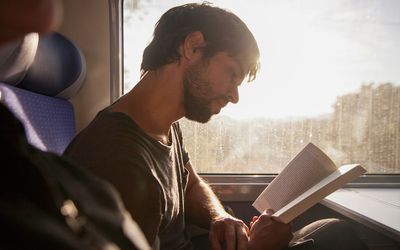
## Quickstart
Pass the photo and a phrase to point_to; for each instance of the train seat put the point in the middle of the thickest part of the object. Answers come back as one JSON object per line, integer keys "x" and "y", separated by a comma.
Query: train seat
{"x": 37, "y": 77}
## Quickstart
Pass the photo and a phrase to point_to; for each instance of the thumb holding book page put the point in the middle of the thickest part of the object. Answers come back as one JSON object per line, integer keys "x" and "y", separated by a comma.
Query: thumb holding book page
{"x": 267, "y": 233}
{"x": 255, "y": 218}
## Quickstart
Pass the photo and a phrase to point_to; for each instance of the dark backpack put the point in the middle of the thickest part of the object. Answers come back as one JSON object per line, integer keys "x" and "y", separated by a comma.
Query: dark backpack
{"x": 47, "y": 202}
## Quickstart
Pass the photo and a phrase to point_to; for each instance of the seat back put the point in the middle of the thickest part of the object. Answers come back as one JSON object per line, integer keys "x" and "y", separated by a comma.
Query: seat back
{"x": 49, "y": 122}
{"x": 56, "y": 72}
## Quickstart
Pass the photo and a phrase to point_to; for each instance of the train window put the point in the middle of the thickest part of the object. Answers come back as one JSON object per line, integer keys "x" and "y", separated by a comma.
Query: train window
{"x": 329, "y": 74}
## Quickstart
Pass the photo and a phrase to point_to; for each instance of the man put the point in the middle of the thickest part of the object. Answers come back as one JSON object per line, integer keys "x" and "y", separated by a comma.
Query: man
{"x": 197, "y": 59}
{"x": 192, "y": 68}
{"x": 47, "y": 202}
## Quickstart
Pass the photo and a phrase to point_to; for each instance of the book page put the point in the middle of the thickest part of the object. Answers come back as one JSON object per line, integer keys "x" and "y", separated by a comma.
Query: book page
{"x": 316, "y": 193}
{"x": 309, "y": 167}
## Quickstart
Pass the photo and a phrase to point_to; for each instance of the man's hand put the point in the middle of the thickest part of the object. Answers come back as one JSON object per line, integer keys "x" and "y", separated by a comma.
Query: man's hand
{"x": 228, "y": 231}
{"x": 266, "y": 233}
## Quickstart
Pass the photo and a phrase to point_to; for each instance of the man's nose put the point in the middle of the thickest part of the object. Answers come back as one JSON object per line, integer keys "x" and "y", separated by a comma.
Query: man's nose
{"x": 233, "y": 95}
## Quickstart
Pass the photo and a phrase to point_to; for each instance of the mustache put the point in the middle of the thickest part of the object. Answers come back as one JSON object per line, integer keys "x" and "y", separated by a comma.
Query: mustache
{"x": 225, "y": 99}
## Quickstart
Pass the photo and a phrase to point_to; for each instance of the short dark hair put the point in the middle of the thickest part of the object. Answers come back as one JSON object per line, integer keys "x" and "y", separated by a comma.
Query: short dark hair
{"x": 222, "y": 31}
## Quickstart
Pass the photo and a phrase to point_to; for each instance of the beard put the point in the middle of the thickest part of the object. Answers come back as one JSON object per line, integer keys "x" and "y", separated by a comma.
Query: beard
{"x": 196, "y": 88}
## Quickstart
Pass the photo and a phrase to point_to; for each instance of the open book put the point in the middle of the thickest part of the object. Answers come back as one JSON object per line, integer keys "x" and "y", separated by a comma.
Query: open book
{"x": 304, "y": 182}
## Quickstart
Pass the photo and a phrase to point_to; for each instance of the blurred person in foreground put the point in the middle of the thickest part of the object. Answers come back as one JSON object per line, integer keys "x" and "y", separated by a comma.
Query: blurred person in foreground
{"x": 47, "y": 202}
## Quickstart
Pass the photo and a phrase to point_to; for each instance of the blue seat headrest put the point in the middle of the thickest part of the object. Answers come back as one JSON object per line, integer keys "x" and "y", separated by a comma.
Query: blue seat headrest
{"x": 58, "y": 68}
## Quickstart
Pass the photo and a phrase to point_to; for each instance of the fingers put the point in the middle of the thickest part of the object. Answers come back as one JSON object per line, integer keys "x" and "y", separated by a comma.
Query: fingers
{"x": 255, "y": 218}
{"x": 268, "y": 233}
{"x": 242, "y": 236}
{"x": 231, "y": 231}
{"x": 230, "y": 235}
{"x": 266, "y": 213}
{"x": 214, "y": 241}
{"x": 264, "y": 218}
{"x": 270, "y": 211}
{"x": 238, "y": 236}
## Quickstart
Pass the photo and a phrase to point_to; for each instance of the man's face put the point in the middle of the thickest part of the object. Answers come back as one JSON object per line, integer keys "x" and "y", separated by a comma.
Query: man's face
{"x": 209, "y": 85}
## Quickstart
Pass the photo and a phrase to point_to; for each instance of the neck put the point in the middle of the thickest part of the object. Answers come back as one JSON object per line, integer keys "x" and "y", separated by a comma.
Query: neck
{"x": 155, "y": 102}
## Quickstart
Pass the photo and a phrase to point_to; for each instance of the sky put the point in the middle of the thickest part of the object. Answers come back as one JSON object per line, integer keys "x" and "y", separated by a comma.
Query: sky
{"x": 311, "y": 51}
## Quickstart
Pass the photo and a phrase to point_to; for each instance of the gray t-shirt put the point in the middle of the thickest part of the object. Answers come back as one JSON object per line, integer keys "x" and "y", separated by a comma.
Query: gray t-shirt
{"x": 150, "y": 176}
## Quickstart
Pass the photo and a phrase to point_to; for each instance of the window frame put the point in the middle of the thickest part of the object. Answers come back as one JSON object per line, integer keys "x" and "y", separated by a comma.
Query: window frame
{"x": 116, "y": 49}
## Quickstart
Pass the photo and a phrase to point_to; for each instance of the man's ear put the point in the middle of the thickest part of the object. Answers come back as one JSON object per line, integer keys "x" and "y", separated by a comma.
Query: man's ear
{"x": 192, "y": 45}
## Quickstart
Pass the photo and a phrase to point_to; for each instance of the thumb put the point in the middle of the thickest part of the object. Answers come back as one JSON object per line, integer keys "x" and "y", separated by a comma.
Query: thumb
{"x": 269, "y": 211}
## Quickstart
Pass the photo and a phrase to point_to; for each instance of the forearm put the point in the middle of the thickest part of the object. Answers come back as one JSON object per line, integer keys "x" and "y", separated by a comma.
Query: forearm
{"x": 201, "y": 204}
{"x": 205, "y": 210}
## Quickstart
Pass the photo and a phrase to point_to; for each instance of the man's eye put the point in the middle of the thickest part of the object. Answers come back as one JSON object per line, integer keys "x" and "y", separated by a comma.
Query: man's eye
{"x": 233, "y": 78}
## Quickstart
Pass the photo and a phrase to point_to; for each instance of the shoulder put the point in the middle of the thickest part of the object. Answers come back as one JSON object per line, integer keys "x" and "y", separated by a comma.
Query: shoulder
{"x": 115, "y": 148}
{"x": 109, "y": 134}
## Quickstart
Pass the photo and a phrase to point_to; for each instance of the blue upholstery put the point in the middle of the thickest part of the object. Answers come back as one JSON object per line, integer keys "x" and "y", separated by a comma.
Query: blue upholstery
{"x": 32, "y": 88}
{"x": 58, "y": 69}
{"x": 49, "y": 122}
